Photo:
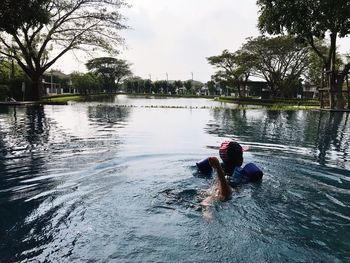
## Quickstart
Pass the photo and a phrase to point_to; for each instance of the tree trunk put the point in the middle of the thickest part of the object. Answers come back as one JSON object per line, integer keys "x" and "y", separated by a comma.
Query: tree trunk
{"x": 36, "y": 92}
{"x": 239, "y": 89}
{"x": 337, "y": 88}
{"x": 273, "y": 90}
{"x": 336, "y": 80}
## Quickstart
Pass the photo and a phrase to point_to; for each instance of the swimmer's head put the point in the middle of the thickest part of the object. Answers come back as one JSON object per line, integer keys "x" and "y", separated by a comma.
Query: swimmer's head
{"x": 231, "y": 153}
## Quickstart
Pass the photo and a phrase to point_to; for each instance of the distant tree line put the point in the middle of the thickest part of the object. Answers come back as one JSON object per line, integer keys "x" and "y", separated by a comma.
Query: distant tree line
{"x": 310, "y": 22}
{"x": 36, "y": 33}
{"x": 283, "y": 62}
{"x": 147, "y": 86}
{"x": 305, "y": 48}
{"x": 105, "y": 75}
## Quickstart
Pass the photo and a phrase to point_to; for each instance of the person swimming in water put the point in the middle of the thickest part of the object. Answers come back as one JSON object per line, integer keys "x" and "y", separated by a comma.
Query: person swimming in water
{"x": 231, "y": 154}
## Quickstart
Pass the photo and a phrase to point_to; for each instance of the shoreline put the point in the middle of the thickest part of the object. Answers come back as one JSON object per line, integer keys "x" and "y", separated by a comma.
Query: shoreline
{"x": 269, "y": 104}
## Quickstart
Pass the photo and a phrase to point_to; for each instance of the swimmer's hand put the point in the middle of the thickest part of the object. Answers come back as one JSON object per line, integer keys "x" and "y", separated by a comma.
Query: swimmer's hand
{"x": 214, "y": 162}
{"x": 224, "y": 188}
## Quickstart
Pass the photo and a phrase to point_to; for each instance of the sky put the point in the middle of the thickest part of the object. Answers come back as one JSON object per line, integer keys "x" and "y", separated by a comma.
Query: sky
{"x": 174, "y": 37}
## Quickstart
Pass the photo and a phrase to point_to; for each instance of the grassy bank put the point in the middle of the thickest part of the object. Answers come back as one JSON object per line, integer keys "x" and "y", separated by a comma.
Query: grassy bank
{"x": 61, "y": 99}
{"x": 64, "y": 98}
{"x": 147, "y": 95}
{"x": 275, "y": 104}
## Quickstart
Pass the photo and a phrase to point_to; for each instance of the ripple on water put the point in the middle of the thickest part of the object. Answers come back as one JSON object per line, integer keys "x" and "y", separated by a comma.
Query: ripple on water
{"x": 106, "y": 183}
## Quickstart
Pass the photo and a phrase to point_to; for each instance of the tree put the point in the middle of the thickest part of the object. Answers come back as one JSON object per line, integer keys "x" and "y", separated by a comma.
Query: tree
{"x": 111, "y": 70}
{"x": 233, "y": 70}
{"x": 11, "y": 79}
{"x": 31, "y": 12}
{"x": 88, "y": 25}
{"x": 159, "y": 85}
{"x": 211, "y": 87}
{"x": 136, "y": 85}
{"x": 188, "y": 85}
{"x": 86, "y": 83}
{"x": 148, "y": 86}
{"x": 310, "y": 20}
{"x": 315, "y": 74}
{"x": 280, "y": 61}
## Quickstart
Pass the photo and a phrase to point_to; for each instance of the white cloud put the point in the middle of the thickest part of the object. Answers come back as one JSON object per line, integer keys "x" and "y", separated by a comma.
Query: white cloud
{"x": 175, "y": 36}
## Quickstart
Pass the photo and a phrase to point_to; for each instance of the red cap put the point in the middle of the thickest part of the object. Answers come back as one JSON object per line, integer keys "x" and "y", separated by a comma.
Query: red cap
{"x": 231, "y": 153}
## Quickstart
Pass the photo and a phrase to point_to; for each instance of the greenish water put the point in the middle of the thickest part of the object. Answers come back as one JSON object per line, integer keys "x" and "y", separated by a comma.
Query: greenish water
{"x": 107, "y": 182}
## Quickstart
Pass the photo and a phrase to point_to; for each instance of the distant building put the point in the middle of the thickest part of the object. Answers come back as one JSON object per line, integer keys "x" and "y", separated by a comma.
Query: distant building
{"x": 181, "y": 90}
{"x": 56, "y": 82}
{"x": 257, "y": 89}
{"x": 310, "y": 91}
{"x": 204, "y": 91}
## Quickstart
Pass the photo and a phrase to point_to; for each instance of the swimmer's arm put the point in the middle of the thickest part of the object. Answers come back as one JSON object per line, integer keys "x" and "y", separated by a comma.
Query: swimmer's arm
{"x": 224, "y": 188}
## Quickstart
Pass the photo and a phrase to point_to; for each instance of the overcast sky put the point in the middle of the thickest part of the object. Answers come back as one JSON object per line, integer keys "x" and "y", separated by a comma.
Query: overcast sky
{"x": 176, "y": 36}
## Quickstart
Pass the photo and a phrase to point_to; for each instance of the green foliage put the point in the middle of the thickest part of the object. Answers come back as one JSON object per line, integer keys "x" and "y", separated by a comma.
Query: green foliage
{"x": 111, "y": 70}
{"x": 139, "y": 85}
{"x": 4, "y": 92}
{"x": 88, "y": 25}
{"x": 279, "y": 60}
{"x": 211, "y": 87}
{"x": 11, "y": 79}
{"x": 159, "y": 86}
{"x": 305, "y": 18}
{"x": 233, "y": 69}
{"x": 148, "y": 86}
{"x": 310, "y": 20}
{"x": 316, "y": 65}
{"x": 86, "y": 83}
{"x": 188, "y": 85}
{"x": 65, "y": 99}
{"x": 15, "y": 13}
{"x": 178, "y": 84}
{"x": 57, "y": 77}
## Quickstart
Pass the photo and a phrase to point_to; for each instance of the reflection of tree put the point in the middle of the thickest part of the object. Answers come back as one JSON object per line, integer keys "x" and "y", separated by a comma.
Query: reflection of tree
{"x": 288, "y": 128}
{"x": 228, "y": 122}
{"x": 28, "y": 145}
{"x": 333, "y": 133}
{"x": 36, "y": 125}
{"x": 22, "y": 158}
{"x": 109, "y": 114}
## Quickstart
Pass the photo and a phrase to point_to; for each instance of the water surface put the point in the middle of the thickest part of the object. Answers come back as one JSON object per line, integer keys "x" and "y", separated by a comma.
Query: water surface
{"x": 116, "y": 182}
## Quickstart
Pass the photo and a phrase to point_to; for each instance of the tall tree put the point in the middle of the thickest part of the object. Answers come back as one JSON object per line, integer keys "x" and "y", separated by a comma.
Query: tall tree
{"x": 87, "y": 25}
{"x": 310, "y": 20}
{"x": 211, "y": 87}
{"x": 148, "y": 86}
{"x": 111, "y": 70}
{"x": 279, "y": 60}
{"x": 188, "y": 85}
{"x": 86, "y": 83}
{"x": 14, "y": 13}
{"x": 232, "y": 69}
{"x": 315, "y": 74}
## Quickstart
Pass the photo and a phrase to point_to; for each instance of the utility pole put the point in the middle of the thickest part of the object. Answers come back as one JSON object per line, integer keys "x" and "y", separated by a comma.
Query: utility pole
{"x": 192, "y": 75}
{"x": 150, "y": 84}
{"x": 51, "y": 91}
{"x": 167, "y": 80}
{"x": 23, "y": 90}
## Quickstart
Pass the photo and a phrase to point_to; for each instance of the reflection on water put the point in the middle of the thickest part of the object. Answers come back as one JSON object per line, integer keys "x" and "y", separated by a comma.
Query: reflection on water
{"x": 325, "y": 136}
{"x": 99, "y": 181}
